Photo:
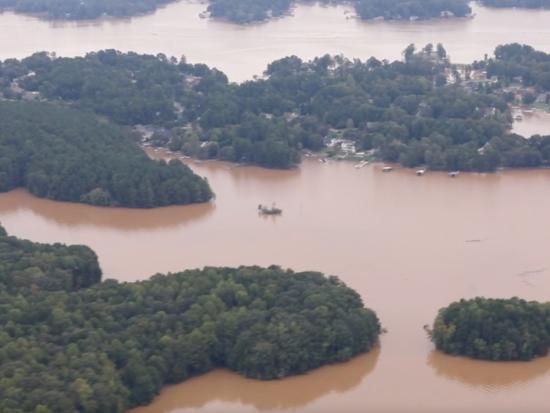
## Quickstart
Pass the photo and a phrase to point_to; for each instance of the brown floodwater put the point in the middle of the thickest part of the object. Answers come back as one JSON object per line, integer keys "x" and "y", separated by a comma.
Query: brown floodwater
{"x": 533, "y": 123}
{"x": 409, "y": 245}
{"x": 244, "y": 51}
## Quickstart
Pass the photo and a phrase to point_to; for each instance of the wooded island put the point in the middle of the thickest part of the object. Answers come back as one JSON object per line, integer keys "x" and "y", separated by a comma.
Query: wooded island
{"x": 70, "y": 343}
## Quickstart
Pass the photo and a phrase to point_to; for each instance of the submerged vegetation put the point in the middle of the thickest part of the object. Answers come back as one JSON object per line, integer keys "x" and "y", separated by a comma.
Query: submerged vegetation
{"x": 71, "y": 344}
{"x": 493, "y": 329}
{"x": 68, "y": 155}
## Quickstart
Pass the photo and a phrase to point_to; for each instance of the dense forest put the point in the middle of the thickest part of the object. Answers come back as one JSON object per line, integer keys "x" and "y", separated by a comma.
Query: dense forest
{"x": 493, "y": 329}
{"x": 411, "y": 9}
{"x": 418, "y": 111}
{"x": 71, "y": 344}
{"x": 68, "y": 155}
{"x": 26, "y": 267}
{"x": 531, "y": 4}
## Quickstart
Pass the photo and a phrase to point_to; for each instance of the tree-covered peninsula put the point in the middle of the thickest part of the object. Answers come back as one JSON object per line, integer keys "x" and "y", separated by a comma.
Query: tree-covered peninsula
{"x": 65, "y": 154}
{"x": 69, "y": 343}
{"x": 419, "y": 111}
{"x": 493, "y": 329}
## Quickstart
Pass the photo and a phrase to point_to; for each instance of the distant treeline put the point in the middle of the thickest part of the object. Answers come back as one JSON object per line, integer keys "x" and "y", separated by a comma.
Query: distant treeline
{"x": 236, "y": 11}
{"x": 71, "y": 344}
{"x": 248, "y": 11}
{"x": 494, "y": 329}
{"x": 82, "y": 9}
{"x": 411, "y": 9}
{"x": 69, "y": 155}
{"x": 531, "y": 4}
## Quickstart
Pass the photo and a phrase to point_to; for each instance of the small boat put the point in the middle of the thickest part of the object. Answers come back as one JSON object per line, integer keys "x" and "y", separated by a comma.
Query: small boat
{"x": 420, "y": 172}
{"x": 387, "y": 169}
{"x": 323, "y": 160}
{"x": 361, "y": 164}
{"x": 518, "y": 118}
{"x": 273, "y": 210}
{"x": 454, "y": 174}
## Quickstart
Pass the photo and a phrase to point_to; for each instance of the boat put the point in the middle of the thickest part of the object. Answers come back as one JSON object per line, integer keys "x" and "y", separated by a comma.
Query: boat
{"x": 518, "y": 118}
{"x": 454, "y": 174}
{"x": 387, "y": 169}
{"x": 420, "y": 172}
{"x": 361, "y": 164}
{"x": 273, "y": 210}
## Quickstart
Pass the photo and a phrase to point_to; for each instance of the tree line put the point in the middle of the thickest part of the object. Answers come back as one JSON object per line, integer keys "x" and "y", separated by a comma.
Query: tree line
{"x": 82, "y": 10}
{"x": 70, "y": 343}
{"x": 411, "y": 9}
{"x": 236, "y": 11}
{"x": 65, "y": 154}
{"x": 419, "y": 111}
{"x": 249, "y": 11}
{"x": 530, "y": 4}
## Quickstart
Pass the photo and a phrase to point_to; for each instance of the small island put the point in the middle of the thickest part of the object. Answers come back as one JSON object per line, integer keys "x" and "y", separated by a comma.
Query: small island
{"x": 70, "y": 343}
{"x": 493, "y": 329}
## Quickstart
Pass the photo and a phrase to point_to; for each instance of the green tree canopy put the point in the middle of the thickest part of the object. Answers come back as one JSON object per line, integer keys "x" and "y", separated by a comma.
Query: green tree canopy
{"x": 493, "y": 329}
{"x": 68, "y": 155}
